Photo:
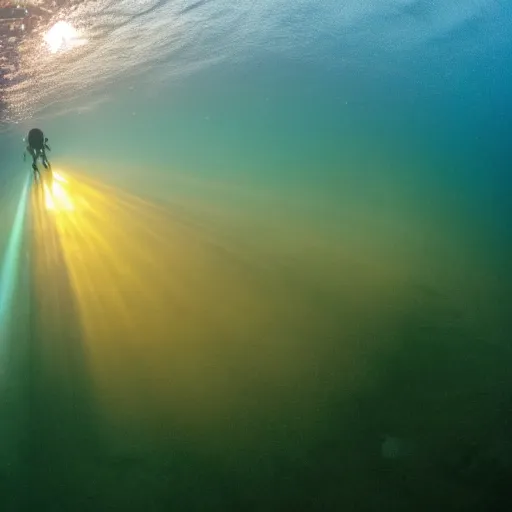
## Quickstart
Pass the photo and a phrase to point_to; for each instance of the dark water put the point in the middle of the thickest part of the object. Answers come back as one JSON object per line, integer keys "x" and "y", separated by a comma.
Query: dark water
{"x": 273, "y": 268}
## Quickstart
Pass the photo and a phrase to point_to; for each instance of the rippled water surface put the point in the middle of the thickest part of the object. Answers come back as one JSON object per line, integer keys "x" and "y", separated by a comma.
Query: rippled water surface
{"x": 271, "y": 267}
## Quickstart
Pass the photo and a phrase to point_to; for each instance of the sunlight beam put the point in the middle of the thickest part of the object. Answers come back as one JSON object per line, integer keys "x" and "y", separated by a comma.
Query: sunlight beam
{"x": 9, "y": 272}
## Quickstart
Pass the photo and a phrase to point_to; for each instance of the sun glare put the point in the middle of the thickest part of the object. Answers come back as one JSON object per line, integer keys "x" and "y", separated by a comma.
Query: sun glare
{"x": 62, "y": 36}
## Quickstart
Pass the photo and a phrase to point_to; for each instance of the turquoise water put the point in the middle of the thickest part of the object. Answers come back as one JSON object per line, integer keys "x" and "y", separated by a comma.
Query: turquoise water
{"x": 273, "y": 270}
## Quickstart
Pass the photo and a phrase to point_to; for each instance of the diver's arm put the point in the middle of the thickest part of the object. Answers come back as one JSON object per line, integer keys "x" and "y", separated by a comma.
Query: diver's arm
{"x": 47, "y": 147}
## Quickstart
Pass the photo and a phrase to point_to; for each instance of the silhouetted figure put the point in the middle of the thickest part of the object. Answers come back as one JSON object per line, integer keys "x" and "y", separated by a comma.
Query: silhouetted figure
{"x": 37, "y": 146}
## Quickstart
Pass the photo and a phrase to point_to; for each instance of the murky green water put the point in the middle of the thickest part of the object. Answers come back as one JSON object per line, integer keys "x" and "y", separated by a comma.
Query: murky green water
{"x": 271, "y": 284}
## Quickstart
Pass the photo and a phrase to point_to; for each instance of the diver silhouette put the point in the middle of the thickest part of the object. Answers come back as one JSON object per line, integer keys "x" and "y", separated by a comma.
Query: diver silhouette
{"x": 36, "y": 147}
